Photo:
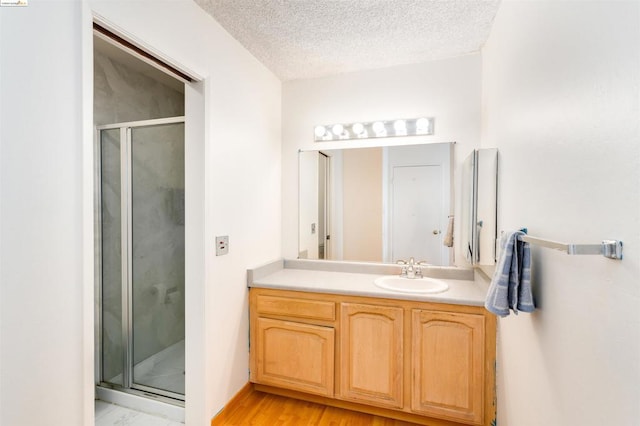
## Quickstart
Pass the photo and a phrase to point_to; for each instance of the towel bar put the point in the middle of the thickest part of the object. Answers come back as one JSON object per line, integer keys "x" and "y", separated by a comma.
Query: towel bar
{"x": 611, "y": 249}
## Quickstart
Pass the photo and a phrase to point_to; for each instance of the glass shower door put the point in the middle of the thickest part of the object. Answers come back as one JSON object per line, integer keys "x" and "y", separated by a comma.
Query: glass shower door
{"x": 157, "y": 257}
{"x": 142, "y": 263}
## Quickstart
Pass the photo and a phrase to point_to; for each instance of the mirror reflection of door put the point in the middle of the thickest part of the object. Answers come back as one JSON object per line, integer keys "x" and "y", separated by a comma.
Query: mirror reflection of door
{"x": 417, "y": 202}
{"x": 324, "y": 243}
{"x": 415, "y": 213}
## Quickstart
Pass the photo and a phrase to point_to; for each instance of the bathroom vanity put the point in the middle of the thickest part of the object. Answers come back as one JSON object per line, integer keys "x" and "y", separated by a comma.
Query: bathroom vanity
{"x": 322, "y": 331}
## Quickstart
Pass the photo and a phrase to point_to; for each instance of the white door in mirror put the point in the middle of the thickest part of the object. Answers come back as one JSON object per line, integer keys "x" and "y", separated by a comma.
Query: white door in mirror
{"x": 407, "y": 285}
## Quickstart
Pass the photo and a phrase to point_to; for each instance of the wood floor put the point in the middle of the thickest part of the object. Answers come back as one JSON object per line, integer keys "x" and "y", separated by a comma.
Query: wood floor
{"x": 257, "y": 408}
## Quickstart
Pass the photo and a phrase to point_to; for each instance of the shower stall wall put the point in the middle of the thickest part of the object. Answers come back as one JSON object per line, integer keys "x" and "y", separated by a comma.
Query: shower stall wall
{"x": 141, "y": 321}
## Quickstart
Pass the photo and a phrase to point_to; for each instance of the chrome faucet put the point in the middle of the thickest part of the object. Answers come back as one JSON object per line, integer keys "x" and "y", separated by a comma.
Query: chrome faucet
{"x": 411, "y": 269}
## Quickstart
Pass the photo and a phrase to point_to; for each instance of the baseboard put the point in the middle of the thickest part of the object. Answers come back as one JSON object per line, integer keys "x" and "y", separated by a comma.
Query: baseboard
{"x": 242, "y": 393}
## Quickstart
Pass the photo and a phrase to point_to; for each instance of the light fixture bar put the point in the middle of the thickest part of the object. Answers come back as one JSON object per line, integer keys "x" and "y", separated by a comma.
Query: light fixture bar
{"x": 375, "y": 129}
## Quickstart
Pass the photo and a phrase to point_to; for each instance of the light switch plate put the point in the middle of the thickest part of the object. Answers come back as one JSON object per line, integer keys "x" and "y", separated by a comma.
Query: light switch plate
{"x": 222, "y": 245}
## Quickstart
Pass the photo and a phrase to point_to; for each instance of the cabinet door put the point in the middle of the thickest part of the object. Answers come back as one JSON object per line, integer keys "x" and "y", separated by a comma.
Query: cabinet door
{"x": 447, "y": 357}
{"x": 371, "y": 354}
{"x": 294, "y": 356}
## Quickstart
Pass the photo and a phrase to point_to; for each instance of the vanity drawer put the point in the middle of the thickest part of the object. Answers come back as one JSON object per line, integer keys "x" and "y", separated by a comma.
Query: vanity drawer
{"x": 296, "y": 308}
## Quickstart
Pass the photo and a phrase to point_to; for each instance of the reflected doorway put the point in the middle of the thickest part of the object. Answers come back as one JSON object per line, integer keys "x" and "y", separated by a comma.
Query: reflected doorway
{"x": 324, "y": 237}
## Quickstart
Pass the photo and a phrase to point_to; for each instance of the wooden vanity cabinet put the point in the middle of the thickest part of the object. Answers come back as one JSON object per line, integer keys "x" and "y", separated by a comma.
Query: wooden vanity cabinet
{"x": 426, "y": 363}
{"x": 292, "y": 343}
{"x": 371, "y": 354}
{"x": 447, "y": 361}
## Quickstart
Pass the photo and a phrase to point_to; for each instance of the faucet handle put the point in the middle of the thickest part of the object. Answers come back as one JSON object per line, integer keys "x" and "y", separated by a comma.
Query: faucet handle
{"x": 419, "y": 266}
{"x": 403, "y": 273}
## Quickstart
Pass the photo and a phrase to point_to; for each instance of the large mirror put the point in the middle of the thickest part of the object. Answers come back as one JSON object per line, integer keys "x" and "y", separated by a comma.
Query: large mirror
{"x": 479, "y": 207}
{"x": 380, "y": 204}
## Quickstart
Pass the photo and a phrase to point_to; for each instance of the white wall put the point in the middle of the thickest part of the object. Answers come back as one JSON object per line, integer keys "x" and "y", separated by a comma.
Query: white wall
{"x": 448, "y": 90}
{"x": 233, "y": 188}
{"x": 42, "y": 344}
{"x": 241, "y": 166}
{"x": 561, "y": 86}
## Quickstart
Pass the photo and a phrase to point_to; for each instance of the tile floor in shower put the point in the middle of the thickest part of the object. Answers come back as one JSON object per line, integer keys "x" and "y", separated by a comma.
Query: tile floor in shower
{"x": 164, "y": 370}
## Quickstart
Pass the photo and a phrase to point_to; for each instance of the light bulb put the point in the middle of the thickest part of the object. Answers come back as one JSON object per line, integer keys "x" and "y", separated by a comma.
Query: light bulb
{"x": 320, "y": 131}
{"x": 422, "y": 125}
{"x": 357, "y": 128}
{"x": 378, "y": 127}
{"x": 400, "y": 126}
{"x": 337, "y": 129}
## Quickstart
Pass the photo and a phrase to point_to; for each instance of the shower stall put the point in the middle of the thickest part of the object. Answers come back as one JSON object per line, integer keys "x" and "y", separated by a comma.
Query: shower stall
{"x": 140, "y": 273}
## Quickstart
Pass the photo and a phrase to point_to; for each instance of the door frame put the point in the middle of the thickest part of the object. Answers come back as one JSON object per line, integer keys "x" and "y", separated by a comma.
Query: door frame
{"x": 197, "y": 209}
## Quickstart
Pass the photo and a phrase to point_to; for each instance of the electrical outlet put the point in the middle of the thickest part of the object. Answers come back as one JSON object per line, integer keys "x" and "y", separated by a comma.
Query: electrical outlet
{"x": 222, "y": 245}
{"x": 313, "y": 228}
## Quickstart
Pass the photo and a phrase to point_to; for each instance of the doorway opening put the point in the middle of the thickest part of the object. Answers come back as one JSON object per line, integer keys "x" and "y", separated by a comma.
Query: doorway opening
{"x": 139, "y": 119}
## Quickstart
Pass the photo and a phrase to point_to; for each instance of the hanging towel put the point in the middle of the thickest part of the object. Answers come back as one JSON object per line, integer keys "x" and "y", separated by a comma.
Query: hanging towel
{"x": 511, "y": 284}
{"x": 448, "y": 237}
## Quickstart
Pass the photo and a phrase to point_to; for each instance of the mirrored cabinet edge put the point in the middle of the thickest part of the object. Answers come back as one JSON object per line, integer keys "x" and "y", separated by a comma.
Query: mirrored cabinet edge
{"x": 479, "y": 187}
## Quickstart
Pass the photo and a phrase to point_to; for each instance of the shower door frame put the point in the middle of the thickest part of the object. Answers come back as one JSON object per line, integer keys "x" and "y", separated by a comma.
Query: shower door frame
{"x": 126, "y": 213}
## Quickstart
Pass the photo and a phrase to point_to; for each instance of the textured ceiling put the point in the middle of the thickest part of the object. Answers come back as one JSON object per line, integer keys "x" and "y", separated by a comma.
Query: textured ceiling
{"x": 299, "y": 39}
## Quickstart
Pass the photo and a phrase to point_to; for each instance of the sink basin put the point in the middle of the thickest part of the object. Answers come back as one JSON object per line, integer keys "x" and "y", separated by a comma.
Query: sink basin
{"x": 407, "y": 285}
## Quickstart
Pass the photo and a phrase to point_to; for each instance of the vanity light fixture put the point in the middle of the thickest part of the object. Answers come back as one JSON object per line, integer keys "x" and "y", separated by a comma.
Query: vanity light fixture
{"x": 376, "y": 129}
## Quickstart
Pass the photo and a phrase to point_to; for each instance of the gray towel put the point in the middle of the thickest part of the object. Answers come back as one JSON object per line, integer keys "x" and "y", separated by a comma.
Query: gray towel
{"x": 511, "y": 284}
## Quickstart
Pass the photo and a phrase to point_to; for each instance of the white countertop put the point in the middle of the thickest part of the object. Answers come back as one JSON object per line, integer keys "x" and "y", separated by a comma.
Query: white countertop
{"x": 461, "y": 292}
